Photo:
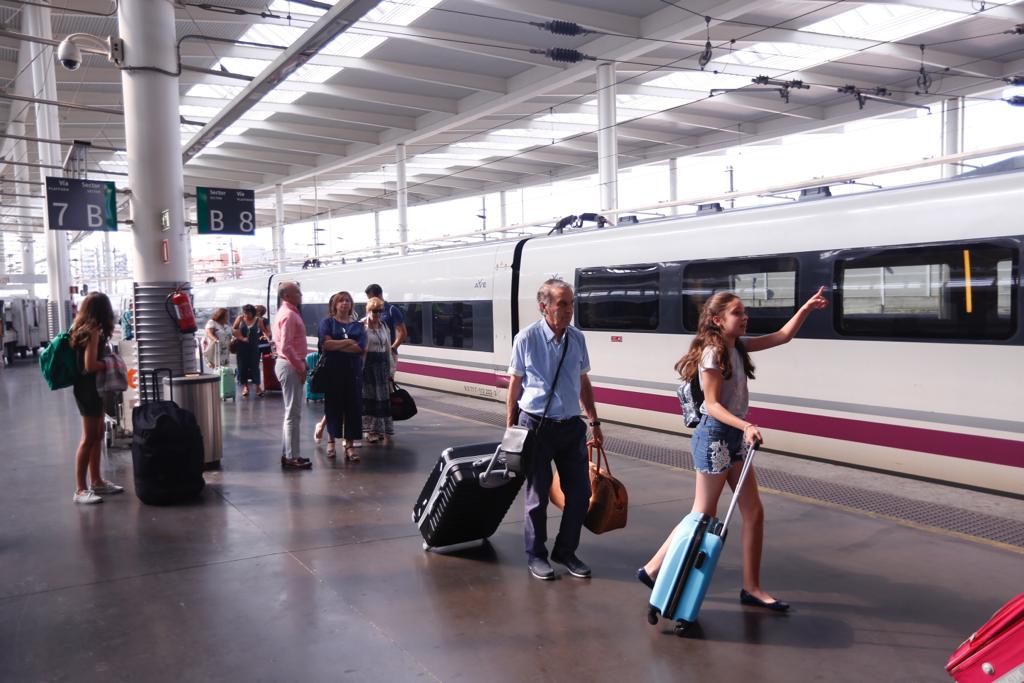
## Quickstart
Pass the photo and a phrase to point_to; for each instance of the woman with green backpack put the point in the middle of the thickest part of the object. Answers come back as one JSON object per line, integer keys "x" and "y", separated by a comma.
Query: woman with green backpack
{"x": 89, "y": 334}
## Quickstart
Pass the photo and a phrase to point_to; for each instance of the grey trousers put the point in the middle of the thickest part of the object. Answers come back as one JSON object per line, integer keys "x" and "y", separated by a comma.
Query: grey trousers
{"x": 291, "y": 391}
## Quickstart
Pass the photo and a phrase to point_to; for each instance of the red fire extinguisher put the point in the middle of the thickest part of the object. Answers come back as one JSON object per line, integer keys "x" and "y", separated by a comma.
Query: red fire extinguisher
{"x": 182, "y": 311}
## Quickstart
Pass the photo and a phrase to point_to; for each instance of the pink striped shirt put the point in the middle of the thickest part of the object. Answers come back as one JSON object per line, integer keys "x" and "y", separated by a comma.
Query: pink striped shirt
{"x": 290, "y": 336}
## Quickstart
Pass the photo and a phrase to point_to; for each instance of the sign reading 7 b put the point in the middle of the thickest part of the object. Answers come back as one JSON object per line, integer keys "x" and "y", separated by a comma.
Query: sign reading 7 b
{"x": 225, "y": 212}
{"x": 75, "y": 204}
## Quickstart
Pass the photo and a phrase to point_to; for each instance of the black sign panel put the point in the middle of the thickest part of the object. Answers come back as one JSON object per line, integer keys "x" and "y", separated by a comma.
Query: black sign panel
{"x": 225, "y": 212}
{"x": 75, "y": 204}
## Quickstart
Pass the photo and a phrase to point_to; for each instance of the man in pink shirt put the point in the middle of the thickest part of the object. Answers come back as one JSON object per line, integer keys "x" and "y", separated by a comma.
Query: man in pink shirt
{"x": 290, "y": 337}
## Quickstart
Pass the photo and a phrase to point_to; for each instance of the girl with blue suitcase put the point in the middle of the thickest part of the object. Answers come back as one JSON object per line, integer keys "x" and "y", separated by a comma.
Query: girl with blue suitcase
{"x": 720, "y": 356}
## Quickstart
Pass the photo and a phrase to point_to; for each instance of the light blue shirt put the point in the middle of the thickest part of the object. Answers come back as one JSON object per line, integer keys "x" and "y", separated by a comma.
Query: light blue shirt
{"x": 535, "y": 356}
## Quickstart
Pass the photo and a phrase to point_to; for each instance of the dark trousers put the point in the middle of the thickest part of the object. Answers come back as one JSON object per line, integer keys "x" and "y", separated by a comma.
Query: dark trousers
{"x": 564, "y": 444}
{"x": 343, "y": 406}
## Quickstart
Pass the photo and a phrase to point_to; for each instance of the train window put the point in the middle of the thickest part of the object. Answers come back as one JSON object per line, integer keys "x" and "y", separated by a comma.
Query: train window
{"x": 312, "y": 314}
{"x": 618, "y": 297}
{"x": 767, "y": 287}
{"x": 462, "y": 325}
{"x": 413, "y": 314}
{"x": 955, "y": 291}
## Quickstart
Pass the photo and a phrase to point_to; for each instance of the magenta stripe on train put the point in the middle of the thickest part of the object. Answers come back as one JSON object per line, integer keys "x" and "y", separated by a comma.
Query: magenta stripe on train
{"x": 951, "y": 444}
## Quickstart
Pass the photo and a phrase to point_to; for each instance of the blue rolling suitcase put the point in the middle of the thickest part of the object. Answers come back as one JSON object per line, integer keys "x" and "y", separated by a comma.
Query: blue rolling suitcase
{"x": 690, "y": 562}
{"x": 311, "y": 360}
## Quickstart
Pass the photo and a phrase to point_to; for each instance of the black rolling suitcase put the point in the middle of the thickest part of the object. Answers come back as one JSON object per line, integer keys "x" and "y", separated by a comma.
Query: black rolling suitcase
{"x": 167, "y": 449}
{"x": 466, "y": 495}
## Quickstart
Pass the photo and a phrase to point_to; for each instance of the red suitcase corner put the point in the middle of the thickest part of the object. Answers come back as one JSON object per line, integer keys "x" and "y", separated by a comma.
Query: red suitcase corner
{"x": 995, "y": 652}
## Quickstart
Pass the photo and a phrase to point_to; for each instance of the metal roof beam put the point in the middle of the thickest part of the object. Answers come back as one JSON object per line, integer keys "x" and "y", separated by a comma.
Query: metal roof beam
{"x": 474, "y": 45}
{"x": 326, "y": 113}
{"x": 325, "y": 132}
{"x": 333, "y": 23}
{"x": 288, "y": 144}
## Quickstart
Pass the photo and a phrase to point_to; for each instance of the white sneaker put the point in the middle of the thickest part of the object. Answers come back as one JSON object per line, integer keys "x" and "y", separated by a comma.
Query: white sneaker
{"x": 87, "y": 498}
{"x": 108, "y": 488}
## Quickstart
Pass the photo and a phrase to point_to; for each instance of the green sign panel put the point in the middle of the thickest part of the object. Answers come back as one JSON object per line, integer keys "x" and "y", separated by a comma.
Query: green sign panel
{"x": 75, "y": 204}
{"x": 225, "y": 212}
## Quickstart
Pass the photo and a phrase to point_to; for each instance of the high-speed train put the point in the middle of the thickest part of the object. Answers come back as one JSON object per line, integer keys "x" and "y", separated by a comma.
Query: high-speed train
{"x": 915, "y": 368}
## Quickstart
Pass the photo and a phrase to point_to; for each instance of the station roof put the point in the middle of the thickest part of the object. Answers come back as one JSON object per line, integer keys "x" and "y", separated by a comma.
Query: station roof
{"x": 480, "y": 101}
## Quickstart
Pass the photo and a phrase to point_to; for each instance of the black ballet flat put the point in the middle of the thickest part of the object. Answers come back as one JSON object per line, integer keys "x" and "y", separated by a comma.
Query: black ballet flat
{"x": 748, "y": 599}
{"x": 643, "y": 577}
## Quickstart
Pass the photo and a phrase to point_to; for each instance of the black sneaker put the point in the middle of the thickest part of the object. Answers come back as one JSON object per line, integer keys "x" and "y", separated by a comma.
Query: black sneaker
{"x": 575, "y": 565}
{"x": 540, "y": 569}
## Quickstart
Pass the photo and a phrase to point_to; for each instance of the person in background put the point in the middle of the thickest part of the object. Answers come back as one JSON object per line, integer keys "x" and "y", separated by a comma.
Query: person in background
{"x": 391, "y": 316}
{"x": 217, "y": 338}
{"x": 261, "y": 313}
{"x": 343, "y": 339}
{"x": 378, "y": 375}
{"x": 289, "y": 334}
{"x": 720, "y": 354}
{"x": 547, "y": 351}
{"x": 127, "y": 322}
{"x": 247, "y": 330}
{"x": 90, "y": 332}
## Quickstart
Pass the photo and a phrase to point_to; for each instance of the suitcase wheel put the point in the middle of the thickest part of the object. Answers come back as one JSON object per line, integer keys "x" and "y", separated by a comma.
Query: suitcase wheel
{"x": 652, "y": 616}
{"x": 681, "y": 627}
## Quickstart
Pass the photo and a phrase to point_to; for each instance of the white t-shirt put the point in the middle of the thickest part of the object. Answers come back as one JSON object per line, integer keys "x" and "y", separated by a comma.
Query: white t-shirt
{"x": 223, "y": 334}
{"x": 733, "y": 394}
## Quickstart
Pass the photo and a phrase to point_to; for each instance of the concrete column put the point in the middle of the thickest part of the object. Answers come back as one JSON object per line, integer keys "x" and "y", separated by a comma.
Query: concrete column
{"x": 107, "y": 277}
{"x": 607, "y": 140}
{"x": 673, "y": 184}
{"x": 278, "y": 230}
{"x": 28, "y": 254}
{"x": 3, "y": 255}
{"x": 502, "y": 209}
{"x": 153, "y": 141}
{"x": 376, "y": 228}
{"x": 952, "y": 133}
{"x": 19, "y": 151}
{"x": 35, "y": 20}
{"x": 403, "y": 198}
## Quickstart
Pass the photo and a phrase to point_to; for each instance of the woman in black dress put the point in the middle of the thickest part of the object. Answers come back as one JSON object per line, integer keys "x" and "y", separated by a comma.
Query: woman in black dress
{"x": 247, "y": 330}
{"x": 342, "y": 341}
{"x": 90, "y": 333}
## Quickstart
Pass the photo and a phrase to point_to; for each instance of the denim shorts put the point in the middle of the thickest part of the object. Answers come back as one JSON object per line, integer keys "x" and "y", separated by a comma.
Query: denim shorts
{"x": 716, "y": 446}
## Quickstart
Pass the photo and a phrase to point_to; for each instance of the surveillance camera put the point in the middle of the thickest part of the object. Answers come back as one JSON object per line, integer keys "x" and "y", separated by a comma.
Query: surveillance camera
{"x": 68, "y": 54}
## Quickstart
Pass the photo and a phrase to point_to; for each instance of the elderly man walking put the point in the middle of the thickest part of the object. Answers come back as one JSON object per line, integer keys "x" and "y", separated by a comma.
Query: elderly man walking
{"x": 548, "y": 382}
{"x": 289, "y": 335}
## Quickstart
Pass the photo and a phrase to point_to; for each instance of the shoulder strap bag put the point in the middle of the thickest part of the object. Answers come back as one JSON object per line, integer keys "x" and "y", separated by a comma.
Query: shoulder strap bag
{"x": 515, "y": 443}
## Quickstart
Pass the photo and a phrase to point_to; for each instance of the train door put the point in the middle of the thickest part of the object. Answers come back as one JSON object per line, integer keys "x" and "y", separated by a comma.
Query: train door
{"x": 505, "y": 288}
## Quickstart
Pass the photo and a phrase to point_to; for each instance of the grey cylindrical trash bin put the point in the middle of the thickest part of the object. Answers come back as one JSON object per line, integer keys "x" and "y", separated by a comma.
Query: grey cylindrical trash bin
{"x": 200, "y": 395}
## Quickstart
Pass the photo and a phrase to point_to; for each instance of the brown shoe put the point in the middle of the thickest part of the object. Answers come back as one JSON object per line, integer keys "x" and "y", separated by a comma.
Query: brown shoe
{"x": 295, "y": 464}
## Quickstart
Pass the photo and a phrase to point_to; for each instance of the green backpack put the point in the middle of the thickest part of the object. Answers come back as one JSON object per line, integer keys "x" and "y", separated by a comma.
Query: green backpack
{"x": 58, "y": 362}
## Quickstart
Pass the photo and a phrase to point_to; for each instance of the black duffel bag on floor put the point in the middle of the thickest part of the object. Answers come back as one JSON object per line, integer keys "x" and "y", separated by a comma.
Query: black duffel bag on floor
{"x": 402, "y": 405}
{"x": 167, "y": 449}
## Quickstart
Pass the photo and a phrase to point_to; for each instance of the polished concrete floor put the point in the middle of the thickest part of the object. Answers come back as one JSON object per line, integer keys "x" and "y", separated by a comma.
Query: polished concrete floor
{"x": 320, "y": 575}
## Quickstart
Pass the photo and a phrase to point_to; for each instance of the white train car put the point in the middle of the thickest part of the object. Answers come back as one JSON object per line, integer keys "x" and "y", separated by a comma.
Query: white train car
{"x": 914, "y": 368}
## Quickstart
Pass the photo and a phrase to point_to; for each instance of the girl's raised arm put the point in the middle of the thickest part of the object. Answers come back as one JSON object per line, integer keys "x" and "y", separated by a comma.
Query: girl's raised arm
{"x": 789, "y": 330}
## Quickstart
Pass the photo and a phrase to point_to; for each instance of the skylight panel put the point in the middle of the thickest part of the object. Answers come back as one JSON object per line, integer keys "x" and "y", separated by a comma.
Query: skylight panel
{"x": 579, "y": 118}
{"x": 884, "y": 22}
{"x": 504, "y": 145}
{"x": 782, "y": 56}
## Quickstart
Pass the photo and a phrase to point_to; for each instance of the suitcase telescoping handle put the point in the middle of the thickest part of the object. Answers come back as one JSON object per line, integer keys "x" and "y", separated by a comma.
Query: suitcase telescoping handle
{"x": 489, "y": 479}
{"x": 747, "y": 461}
{"x": 154, "y": 386}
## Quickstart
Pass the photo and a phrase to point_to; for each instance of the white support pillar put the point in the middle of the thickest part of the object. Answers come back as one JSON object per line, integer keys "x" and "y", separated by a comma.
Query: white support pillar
{"x": 607, "y": 139}
{"x": 21, "y": 187}
{"x": 376, "y": 228}
{"x": 153, "y": 141}
{"x": 35, "y": 21}
{"x": 403, "y": 198}
{"x": 107, "y": 272}
{"x": 278, "y": 230}
{"x": 952, "y": 132}
{"x": 502, "y": 209}
{"x": 673, "y": 184}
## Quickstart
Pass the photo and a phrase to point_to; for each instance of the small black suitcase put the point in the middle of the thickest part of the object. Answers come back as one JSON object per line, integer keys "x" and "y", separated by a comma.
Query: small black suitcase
{"x": 466, "y": 495}
{"x": 167, "y": 449}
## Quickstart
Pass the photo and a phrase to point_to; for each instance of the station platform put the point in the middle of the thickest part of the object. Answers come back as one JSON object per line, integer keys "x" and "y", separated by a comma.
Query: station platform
{"x": 320, "y": 575}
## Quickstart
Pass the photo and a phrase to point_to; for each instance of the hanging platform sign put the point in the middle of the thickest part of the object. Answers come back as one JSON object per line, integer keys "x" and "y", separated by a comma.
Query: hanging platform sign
{"x": 225, "y": 212}
{"x": 76, "y": 204}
